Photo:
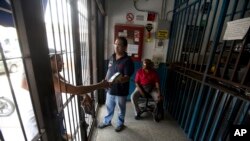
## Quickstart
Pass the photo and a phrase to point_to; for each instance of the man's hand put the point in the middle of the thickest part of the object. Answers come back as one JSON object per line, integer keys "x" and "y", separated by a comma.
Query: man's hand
{"x": 141, "y": 92}
{"x": 105, "y": 84}
{"x": 159, "y": 97}
{"x": 122, "y": 79}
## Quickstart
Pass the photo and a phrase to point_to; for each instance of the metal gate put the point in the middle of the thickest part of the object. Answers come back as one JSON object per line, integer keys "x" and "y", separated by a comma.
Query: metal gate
{"x": 41, "y": 26}
{"x": 209, "y": 85}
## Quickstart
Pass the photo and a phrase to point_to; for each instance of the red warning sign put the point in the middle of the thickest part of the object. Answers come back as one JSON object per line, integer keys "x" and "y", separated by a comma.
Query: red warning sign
{"x": 130, "y": 17}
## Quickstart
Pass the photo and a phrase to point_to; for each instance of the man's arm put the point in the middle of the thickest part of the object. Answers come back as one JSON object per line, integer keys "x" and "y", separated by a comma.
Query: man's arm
{"x": 62, "y": 86}
{"x": 139, "y": 89}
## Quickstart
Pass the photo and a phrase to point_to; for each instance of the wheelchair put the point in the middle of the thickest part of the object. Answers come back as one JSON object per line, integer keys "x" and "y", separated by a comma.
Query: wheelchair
{"x": 148, "y": 105}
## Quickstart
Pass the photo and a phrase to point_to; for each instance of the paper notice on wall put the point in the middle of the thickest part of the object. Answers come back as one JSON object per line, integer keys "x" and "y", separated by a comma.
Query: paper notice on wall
{"x": 136, "y": 35}
{"x": 236, "y": 30}
{"x": 132, "y": 49}
{"x": 122, "y": 34}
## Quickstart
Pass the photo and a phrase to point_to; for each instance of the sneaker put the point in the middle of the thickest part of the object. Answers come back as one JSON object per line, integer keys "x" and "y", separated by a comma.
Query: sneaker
{"x": 119, "y": 128}
{"x": 137, "y": 117}
{"x": 102, "y": 125}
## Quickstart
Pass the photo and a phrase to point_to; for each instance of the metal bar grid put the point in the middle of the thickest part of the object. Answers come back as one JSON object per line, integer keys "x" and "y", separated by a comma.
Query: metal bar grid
{"x": 185, "y": 45}
{"x": 200, "y": 61}
{"x": 194, "y": 35}
{"x": 207, "y": 16}
{"x": 218, "y": 115}
{"x": 183, "y": 59}
{"x": 195, "y": 115}
{"x": 232, "y": 53}
{"x": 236, "y": 66}
{"x": 181, "y": 91}
{"x": 210, "y": 112}
{"x": 59, "y": 27}
{"x": 187, "y": 103}
{"x": 173, "y": 97}
{"x": 203, "y": 112}
{"x": 180, "y": 26}
{"x": 62, "y": 33}
{"x": 220, "y": 109}
{"x": 178, "y": 92}
{"x": 200, "y": 31}
{"x": 201, "y": 49}
{"x": 36, "y": 66}
{"x": 191, "y": 107}
{"x": 175, "y": 30}
{"x": 184, "y": 98}
{"x": 209, "y": 43}
{"x": 229, "y": 113}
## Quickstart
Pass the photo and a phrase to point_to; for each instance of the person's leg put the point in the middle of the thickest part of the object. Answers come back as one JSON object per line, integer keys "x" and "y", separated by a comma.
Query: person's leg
{"x": 61, "y": 124}
{"x": 121, "y": 102}
{"x": 134, "y": 100}
{"x": 158, "y": 112}
{"x": 63, "y": 131}
{"x": 154, "y": 95}
{"x": 110, "y": 105}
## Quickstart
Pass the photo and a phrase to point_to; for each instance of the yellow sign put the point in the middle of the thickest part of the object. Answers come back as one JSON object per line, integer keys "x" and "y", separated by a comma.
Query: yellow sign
{"x": 162, "y": 34}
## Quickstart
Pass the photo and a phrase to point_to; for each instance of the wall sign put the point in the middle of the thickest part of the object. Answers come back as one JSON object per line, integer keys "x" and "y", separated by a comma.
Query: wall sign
{"x": 130, "y": 17}
{"x": 149, "y": 27}
{"x": 151, "y": 16}
{"x": 162, "y": 34}
{"x": 237, "y": 29}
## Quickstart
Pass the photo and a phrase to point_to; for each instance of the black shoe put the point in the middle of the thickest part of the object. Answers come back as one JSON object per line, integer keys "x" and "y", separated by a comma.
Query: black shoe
{"x": 119, "y": 128}
{"x": 102, "y": 125}
{"x": 156, "y": 119}
{"x": 137, "y": 117}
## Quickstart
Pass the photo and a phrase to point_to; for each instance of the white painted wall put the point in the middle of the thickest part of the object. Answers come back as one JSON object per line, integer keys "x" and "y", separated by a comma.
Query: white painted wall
{"x": 116, "y": 11}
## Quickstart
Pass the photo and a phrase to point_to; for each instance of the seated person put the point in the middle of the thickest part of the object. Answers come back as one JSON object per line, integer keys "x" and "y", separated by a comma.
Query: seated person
{"x": 147, "y": 83}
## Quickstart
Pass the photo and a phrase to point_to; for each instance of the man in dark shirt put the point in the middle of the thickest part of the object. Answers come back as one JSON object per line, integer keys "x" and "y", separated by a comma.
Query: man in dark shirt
{"x": 117, "y": 94}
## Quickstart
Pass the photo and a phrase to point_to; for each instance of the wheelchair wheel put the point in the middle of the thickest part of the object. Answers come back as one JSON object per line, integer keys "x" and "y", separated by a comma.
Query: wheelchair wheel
{"x": 7, "y": 107}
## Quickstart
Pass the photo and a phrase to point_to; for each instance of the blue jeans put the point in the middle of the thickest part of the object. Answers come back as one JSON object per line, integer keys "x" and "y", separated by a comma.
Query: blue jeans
{"x": 111, "y": 102}
{"x": 60, "y": 117}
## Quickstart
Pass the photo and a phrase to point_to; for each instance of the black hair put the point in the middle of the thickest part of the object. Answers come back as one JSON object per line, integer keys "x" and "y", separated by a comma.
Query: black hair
{"x": 149, "y": 63}
{"x": 124, "y": 41}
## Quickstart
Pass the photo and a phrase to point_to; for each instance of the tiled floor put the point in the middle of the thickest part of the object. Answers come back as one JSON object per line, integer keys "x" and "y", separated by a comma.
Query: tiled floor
{"x": 139, "y": 130}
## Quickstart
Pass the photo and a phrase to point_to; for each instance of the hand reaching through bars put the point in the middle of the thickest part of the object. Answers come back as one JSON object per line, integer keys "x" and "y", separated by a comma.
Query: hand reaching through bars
{"x": 104, "y": 84}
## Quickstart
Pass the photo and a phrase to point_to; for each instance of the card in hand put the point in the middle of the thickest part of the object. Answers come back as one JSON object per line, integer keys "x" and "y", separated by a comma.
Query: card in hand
{"x": 115, "y": 77}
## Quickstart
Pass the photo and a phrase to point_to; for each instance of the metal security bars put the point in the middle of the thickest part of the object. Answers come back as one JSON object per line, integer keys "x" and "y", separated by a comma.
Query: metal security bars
{"x": 211, "y": 75}
{"x": 67, "y": 31}
{"x": 53, "y": 27}
{"x": 197, "y": 44}
{"x": 59, "y": 31}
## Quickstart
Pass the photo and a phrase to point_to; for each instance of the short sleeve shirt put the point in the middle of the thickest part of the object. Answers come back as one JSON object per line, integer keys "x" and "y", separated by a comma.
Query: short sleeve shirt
{"x": 146, "y": 78}
{"x": 123, "y": 65}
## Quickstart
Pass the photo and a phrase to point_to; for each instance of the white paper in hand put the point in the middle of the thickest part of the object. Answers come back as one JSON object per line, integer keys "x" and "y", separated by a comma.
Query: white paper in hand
{"x": 115, "y": 78}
